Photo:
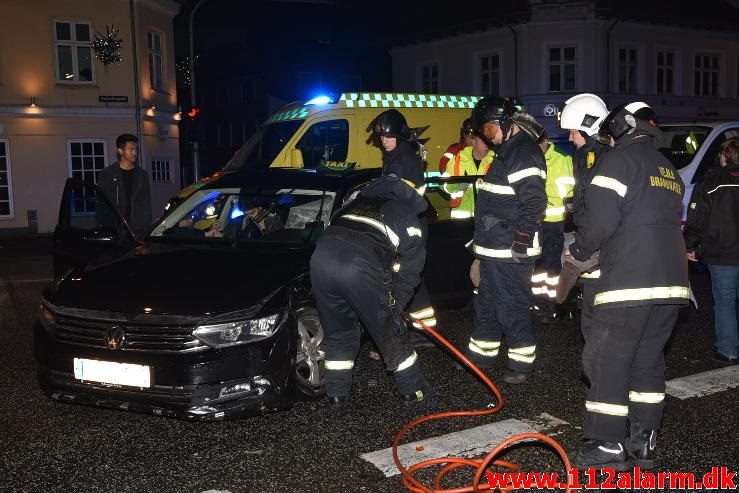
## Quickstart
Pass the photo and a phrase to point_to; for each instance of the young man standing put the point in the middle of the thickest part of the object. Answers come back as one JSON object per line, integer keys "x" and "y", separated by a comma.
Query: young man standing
{"x": 127, "y": 186}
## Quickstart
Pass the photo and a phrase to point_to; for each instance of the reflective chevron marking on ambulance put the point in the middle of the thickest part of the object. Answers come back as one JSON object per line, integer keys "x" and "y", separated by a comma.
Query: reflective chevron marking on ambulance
{"x": 403, "y": 100}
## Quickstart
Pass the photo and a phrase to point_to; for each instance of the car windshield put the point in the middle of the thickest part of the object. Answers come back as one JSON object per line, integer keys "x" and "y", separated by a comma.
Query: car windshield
{"x": 679, "y": 143}
{"x": 262, "y": 147}
{"x": 282, "y": 216}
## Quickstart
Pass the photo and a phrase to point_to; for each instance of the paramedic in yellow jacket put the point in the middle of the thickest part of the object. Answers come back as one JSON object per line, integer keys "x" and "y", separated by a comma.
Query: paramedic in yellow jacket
{"x": 470, "y": 161}
{"x": 559, "y": 187}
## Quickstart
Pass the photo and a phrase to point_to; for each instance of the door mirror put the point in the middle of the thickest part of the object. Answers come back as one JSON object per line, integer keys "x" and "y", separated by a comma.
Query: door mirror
{"x": 101, "y": 234}
{"x": 296, "y": 158}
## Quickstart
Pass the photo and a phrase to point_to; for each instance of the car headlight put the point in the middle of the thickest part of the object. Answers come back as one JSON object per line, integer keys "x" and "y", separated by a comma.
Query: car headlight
{"x": 238, "y": 332}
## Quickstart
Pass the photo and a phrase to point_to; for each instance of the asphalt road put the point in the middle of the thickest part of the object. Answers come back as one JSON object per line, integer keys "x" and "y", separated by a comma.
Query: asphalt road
{"x": 54, "y": 447}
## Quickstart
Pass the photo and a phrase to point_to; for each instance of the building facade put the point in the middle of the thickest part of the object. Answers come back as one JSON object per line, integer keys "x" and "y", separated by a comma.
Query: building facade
{"x": 61, "y": 107}
{"x": 687, "y": 70}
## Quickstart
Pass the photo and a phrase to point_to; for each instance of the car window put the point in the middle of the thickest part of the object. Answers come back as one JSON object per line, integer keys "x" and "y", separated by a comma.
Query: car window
{"x": 263, "y": 146}
{"x": 710, "y": 159}
{"x": 280, "y": 215}
{"x": 679, "y": 143}
{"x": 325, "y": 142}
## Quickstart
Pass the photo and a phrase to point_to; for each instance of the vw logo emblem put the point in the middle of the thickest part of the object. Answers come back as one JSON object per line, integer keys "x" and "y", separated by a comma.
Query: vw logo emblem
{"x": 115, "y": 338}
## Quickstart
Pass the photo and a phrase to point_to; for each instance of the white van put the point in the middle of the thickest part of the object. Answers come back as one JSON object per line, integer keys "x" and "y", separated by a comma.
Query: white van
{"x": 693, "y": 147}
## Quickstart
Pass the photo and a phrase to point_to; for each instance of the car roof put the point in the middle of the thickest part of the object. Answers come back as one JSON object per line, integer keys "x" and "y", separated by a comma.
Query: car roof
{"x": 294, "y": 178}
{"x": 712, "y": 123}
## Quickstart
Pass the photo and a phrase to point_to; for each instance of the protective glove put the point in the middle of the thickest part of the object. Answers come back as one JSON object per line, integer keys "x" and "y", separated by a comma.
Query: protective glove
{"x": 520, "y": 246}
{"x": 475, "y": 272}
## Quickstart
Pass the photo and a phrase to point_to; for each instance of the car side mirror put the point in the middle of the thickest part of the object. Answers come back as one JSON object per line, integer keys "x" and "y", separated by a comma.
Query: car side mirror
{"x": 102, "y": 234}
{"x": 296, "y": 158}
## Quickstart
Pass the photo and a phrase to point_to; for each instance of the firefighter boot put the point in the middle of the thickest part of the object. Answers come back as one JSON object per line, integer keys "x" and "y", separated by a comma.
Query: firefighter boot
{"x": 600, "y": 454}
{"x": 640, "y": 445}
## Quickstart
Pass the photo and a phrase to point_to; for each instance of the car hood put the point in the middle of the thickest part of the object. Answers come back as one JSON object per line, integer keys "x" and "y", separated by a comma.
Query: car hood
{"x": 177, "y": 280}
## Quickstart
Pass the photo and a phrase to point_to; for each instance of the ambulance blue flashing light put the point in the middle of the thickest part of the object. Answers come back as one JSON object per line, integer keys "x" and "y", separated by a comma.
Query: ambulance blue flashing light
{"x": 322, "y": 99}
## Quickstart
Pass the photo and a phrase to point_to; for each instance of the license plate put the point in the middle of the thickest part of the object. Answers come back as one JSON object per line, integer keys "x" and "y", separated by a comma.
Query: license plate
{"x": 92, "y": 370}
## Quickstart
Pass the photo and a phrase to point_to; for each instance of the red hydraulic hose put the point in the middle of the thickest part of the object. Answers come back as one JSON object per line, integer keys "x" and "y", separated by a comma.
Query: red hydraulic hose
{"x": 453, "y": 463}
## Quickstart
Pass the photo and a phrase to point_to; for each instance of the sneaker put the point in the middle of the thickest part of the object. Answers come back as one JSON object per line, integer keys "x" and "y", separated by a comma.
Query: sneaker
{"x": 723, "y": 359}
{"x": 514, "y": 377}
{"x": 600, "y": 454}
{"x": 640, "y": 446}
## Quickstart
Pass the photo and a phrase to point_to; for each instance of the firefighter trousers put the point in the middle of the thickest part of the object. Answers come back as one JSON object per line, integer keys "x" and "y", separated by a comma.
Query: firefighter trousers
{"x": 624, "y": 361}
{"x": 502, "y": 311}
{"x": 351, "y": 287}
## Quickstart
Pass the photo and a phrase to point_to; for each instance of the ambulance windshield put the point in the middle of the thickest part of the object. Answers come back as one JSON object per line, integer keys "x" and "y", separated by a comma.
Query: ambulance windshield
{"x": 262, "y": 147}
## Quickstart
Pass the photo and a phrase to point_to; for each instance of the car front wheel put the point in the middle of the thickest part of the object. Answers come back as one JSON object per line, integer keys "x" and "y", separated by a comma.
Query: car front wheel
{"x": 310, "y": 358}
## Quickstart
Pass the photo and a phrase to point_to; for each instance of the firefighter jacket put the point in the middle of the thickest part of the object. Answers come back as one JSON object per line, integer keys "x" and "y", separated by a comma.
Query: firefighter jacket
{"x": 560, "y": 183}
{"x": 382, "y": 221}
{"x": 585, "y": 161}
{"x": 462, "y": 197}
{"x": 510, "y": 202}
{"x": 712, "y": 230}
{"x": 632, "y": 214}
{"x": 404, "y": 162}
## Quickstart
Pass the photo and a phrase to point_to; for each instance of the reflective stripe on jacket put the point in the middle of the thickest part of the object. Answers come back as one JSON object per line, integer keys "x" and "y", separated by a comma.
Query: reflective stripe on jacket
{"x": 462, "y": 202}
{"x": 560, "y": 183}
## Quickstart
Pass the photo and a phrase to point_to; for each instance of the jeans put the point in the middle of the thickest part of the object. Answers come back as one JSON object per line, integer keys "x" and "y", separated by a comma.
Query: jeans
{"x": 725, "y": 284}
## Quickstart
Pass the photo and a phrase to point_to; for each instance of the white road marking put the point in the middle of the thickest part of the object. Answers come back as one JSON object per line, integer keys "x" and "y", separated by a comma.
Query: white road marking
{"x": 706, "y": 383}
{"x": 466, "y": 443}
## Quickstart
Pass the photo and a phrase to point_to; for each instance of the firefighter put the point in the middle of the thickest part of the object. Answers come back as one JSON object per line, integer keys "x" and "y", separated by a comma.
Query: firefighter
{"x": 473, "y": 160}
{"x": 365, "y": 267}
{"x": 559, "y": 186}
{"x": 465, "y": 140}
{"x": 632, "y": 214}
{"x": 581, "y": 117}
{"x": 400, "y": 157}
{"x": 511, "y": 201}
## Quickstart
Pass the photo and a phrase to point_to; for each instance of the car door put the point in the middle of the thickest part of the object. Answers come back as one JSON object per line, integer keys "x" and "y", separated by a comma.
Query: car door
{"x": 447, "y": 257}
{"x": 89, "y": 225}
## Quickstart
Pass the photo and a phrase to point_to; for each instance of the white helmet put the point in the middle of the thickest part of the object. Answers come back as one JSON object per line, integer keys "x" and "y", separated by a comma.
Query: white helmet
{"x": 583, "y": 112}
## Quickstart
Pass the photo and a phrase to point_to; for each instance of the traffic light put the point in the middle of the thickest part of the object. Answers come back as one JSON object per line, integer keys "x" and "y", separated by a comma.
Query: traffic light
{"x": 193, "y": 113}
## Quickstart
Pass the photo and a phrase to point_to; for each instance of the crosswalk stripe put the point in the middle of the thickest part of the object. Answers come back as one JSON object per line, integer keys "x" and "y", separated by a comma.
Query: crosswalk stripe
{"x": 706, "y": 383}
{"x": 466, "y": 443}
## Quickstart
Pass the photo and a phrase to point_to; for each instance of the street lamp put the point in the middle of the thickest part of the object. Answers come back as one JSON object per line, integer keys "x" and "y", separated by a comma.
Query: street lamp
{"x": 193, "y": 102}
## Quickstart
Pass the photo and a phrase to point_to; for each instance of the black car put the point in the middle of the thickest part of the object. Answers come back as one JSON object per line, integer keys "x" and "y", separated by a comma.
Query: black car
{"x": 210, "y": 316}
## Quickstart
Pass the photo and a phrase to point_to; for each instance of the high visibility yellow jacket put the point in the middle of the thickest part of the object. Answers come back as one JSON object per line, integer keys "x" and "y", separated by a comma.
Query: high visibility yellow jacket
{"x": 462, "y": 199}
{"x": 560, "y": 183}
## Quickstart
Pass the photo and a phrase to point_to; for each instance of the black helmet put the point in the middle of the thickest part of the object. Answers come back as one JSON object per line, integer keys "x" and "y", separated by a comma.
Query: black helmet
{"x": 528, "y": 124}
{"x": 492, "y": 109}
{"x": 467, "y": 128}
{"x": 626, "y": 118}
{"x": 390, "y": 123}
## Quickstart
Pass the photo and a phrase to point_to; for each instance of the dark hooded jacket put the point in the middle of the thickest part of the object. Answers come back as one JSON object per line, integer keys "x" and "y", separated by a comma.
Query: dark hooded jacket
{"x": 585, "y": 162}
{"x": 382, "y": 223}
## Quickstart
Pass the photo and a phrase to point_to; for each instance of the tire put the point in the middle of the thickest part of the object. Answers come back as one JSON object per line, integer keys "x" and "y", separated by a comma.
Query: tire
{"x": 310, "y": 357}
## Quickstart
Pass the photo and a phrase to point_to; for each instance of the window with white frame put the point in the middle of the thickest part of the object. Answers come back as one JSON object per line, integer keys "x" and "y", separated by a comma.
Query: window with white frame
{"x": 430, "y": 78}
{"x": 86, "y": 158}
{"x": 161, "y": 170}
{"x": 156, "y": 51}
{"x": 73, "y": 52}
{"x": 627, "y": 69}
{"x": 665, "y": 72}
{"x": 490, "y": 75}
{"x": 562, "y": 68}
{"x": 706, "y": 74}
{"x": 6, "y": 185}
